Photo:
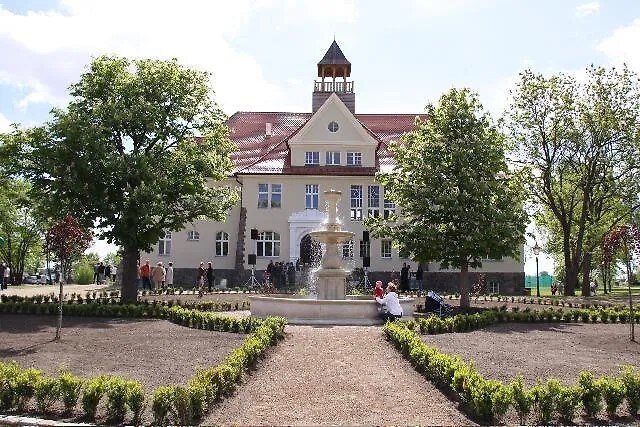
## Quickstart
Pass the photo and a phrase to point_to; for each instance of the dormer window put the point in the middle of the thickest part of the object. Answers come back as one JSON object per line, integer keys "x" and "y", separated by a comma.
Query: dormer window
{"x": 312, "y": 158}
{"x": 333, "y": 127}
{"x": 354, "y": 159}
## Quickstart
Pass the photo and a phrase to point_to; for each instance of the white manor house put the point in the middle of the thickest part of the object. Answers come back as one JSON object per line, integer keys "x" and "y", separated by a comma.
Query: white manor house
{"x": 282, "y": 164}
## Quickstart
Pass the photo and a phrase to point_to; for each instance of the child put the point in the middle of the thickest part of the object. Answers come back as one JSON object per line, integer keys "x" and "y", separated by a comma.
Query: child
{"x": 378, "y": 292}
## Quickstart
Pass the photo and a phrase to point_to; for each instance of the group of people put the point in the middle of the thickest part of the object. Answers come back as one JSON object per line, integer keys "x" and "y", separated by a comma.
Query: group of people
{"x": 5, "y": 275}
{"x": 281, "y": 274}
{"x": 390, "y": 308}
{"x": 103, "y": 273}
{"x": 205, "y": 275}
{"x": 405, "y": 273}
{"x": 157, "y": 277}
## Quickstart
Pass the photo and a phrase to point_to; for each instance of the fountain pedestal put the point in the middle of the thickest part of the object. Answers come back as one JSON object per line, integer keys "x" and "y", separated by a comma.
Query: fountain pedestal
{"x": 331, "y": 284}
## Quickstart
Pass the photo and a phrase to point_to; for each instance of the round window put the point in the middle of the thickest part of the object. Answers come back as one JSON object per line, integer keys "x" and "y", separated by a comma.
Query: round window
{"x": 333, "y": 127}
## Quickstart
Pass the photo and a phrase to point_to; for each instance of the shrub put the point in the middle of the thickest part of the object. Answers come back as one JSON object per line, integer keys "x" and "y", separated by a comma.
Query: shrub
{"x": 92, "y": 392}
{"x": 544, "y": 398}
{"x": 47, "y": 392}
{"x": 613, "y": 393}
{"x": 70, "y": 388}
{"x": 522, "y": 399}
{"x": 567, "y": 403}
{"x": 590, "y": 394}
{"x": 135, "y": 400}
{"x": 83, "y": 274}
{"x": 501, "y": 400}
{"x": 8, "y": 374}
{"x": 25, "y": 387}
{"x": 631, "y": 383}
{"x": 162, "y": 403}
{"x": 181, "y": 406}
{"x": 116, "y": 391}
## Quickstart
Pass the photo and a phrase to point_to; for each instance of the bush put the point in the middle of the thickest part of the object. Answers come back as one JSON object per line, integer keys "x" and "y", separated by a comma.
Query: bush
{"x": 83, "y": 274}
{"x": 590, "y": 394}
{"x": 162, "y": 403}
{"x": 8, "y": 374}
{"x": 501, "y": 400}
{"x": 544, "y": 399}
{"x": 613, "y": 393}
{"x": 567, "y": 403}
{"x": 25, "y": 387}
{"x": 522, "y": 399}
{"x": 47, "y": 392}
{"x": 135, "y": 400}
{"x": 631, "y": 383}
{"x": 116, "y": 391}
{"x": 93, "y": 391}
{"x": 70, "y": 388}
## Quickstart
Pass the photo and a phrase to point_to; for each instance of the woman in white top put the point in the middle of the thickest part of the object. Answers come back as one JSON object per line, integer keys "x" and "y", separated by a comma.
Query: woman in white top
{"x": 391, "y": 300}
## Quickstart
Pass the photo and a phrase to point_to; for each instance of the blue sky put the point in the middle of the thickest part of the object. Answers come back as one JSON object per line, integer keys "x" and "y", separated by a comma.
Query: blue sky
{"x": 262, "y": 54}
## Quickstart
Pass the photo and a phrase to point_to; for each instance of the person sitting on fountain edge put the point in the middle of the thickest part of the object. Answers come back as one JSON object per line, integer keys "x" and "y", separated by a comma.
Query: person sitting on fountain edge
{"x": 391, "y": 300}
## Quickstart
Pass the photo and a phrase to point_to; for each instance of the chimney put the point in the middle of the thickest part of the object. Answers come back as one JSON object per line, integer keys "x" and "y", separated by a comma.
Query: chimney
{"x": 267, "y": 130}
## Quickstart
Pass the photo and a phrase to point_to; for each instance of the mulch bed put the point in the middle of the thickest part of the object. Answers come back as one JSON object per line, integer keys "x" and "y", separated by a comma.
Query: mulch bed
{"x": 154, "y": 352}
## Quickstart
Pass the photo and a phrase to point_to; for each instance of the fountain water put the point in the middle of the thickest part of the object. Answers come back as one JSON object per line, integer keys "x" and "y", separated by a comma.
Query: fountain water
{"x": 332, "y": 306}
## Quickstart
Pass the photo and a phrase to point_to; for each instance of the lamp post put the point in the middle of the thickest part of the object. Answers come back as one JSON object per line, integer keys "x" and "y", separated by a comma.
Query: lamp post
{"x": 536, "y": 252}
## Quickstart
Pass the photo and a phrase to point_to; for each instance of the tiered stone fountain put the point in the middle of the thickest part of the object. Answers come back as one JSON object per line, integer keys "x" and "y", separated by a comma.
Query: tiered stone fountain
{"x": 332, "y": 306}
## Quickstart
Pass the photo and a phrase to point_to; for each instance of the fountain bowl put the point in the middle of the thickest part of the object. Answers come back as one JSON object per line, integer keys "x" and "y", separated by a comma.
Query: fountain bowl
{"x": 356, "y": 310}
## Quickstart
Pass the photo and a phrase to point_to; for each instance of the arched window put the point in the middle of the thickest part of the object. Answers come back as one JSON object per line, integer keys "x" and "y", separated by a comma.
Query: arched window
{"x": 193, "y": 235}
{"x": 222, "y": 243}
{"x": 268, "y": 244}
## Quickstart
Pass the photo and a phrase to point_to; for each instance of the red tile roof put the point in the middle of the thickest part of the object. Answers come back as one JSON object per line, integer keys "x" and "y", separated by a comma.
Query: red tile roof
{"x": 257, "y": 153}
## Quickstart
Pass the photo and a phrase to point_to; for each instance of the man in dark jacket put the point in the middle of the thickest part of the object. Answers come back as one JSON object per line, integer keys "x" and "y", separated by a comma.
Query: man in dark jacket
{"x": 210, "y": 277}
{"x": 404, "y": 277}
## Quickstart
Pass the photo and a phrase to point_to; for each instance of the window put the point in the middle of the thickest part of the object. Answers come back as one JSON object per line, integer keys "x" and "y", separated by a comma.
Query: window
{"x": 222, "y": 243}
{"x": 374, "y": 201}
{"x": 193, "y": 235}
{"x": 276, "y": 195}
{"x": 347, "y": 250}
{"x": 354, "y": 159}
{"x": 365, "y": 248}
{"x": 493, "y": 287}
{"x": 356, "y": 202}
{"x": 385, "y": 248}
{"x": 263, "y": 195}
{"x": 164, "y": 245}
{"x": 312, "y": 158}
{"x": 333, "y": 127}
{"x": 268, "y": 244}
{"x": 333, "y": 158}
{"x": 389, "y": 208}
{"x": 311, "y": 196}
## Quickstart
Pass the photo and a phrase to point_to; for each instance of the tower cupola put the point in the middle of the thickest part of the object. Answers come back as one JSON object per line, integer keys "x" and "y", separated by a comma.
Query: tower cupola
{"x": 333, "y": 70}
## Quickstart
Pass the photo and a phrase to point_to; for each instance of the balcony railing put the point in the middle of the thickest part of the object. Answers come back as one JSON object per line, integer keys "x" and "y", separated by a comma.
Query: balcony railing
{"x": 333, "y": 86}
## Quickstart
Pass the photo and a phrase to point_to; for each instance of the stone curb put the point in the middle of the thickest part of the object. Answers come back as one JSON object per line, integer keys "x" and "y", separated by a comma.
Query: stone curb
{"x": 14, "y": 420}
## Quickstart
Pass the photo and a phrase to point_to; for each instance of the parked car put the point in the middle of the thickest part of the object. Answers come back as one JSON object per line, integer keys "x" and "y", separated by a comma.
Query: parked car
{"x": 33, "y": 280}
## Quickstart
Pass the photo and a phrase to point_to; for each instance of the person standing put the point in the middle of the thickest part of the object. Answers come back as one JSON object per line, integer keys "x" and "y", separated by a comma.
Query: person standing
{"x": 2, "y": 267}
{"x": 404, "y": 278}
{"x": 391, "y": 300}
{"x": 291, "y": 275}
{"x": 7, "y": 276}
{"x": 210, "y": 277}
{"x": 168, "y": 277}
{"x": 107, "y": 273}
{"x": 419, "y": 274}
{"x": 95, "y": 272}
{"x": 145, "y": 275}
{"x": 270, "y": 268}
{"x": 114, "y": 272}
{"x": 158, "y": 276}
{"x": 201, "y": 275}
{"x": 101, "y": 271}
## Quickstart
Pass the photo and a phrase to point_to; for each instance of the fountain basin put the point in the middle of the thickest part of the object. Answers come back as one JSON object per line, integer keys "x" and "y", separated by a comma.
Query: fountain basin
{"x": 355, "y": 310}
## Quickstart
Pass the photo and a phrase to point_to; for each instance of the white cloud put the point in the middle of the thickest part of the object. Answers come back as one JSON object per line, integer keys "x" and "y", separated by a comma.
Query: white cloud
{"x": 622, "y": 45}
{"x": 45, "y": 51}
{"x": 587, "y": 9}
{"x": 5, "y": 125}
{"x": 439, "y": 8}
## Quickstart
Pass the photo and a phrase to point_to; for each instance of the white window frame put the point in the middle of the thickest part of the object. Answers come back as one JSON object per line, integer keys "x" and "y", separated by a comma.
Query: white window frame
{"x": 347, "y": 250}
{"x": 332, "y": 158}
{"x": 354, "y": 158}
{"x": 385, "y": 249}
{"x": 164, "y": 245}
{"x": 312, "y": 158}
{"x": 356, "y": 202}
{"x": 493, "y": 287}
{"x": 263, "y": 196}
{"x": 373, "y": 203}
{"x": 193, "y": 236}
{"x": 222, "y": 243}
{"x": 268, "y": 241}
{"x": 389, "y": 208}
{"x": 311, "y": 196}
{"x": 276, "y": 189}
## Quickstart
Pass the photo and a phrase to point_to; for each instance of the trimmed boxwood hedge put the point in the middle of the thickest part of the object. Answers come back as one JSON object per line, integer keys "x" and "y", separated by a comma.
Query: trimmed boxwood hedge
{"x": 490, "y": 399}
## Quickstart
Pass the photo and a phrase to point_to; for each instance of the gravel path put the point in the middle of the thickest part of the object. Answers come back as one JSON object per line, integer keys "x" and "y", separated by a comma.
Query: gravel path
{"x": 336, "y": 376}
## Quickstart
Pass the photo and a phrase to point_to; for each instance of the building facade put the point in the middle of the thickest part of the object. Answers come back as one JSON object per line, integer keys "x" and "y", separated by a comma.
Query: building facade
{"x": 283, "y": 163}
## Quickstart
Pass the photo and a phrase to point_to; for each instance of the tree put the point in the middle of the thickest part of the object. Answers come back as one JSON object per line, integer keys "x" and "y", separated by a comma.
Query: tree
{"x": 135, "y": 154}
{"x": 624, "y": 239}
{"x": 68, "y": 241}
{"x": 458, "y": 200}
{"x": 580, "y": 140}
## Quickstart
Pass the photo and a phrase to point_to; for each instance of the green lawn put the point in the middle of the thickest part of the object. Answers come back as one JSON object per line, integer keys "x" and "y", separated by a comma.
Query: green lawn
{"x": 615, "y": 292}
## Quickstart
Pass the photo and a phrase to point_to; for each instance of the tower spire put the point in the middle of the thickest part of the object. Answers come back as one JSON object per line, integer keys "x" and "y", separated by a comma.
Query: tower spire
{"x": 335, "y": 68}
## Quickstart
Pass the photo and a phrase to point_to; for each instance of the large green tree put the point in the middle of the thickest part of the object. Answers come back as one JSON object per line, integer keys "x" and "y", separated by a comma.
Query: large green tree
{"x": 580, "y": 141}
{"x": 136, "y": 153}
{"x": 458, "y": 200}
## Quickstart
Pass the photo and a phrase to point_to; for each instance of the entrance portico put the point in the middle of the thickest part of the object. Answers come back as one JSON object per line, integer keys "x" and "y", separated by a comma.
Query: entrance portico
{"x": 300, "y": 224}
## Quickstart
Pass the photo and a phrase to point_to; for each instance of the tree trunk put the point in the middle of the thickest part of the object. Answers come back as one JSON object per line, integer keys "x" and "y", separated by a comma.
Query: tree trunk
{"x": 571, "y": 279}
{"x": 129, "y": 288}
{"x": 586, "y": 270}
{"x": 59, "y": 326}
{"x": 627, "y": 263}
{"x": 464, "y": 286}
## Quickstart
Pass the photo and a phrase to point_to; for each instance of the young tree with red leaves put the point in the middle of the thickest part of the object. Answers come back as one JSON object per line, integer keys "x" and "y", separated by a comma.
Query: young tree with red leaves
{"x": 68, "y": 240}
{"x": 625, "y": 238}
